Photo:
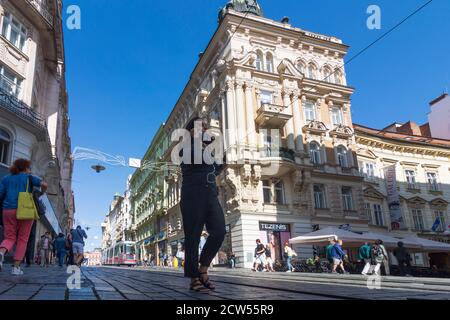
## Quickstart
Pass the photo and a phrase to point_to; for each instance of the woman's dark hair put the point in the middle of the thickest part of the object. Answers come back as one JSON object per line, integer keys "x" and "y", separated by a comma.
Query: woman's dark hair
{"x": 20, "y": 165}
{"x": 378, "y": 242}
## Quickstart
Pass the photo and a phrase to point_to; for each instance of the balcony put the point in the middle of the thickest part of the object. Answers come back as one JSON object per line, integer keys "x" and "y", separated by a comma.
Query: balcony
{"x": 42, "y": 8}
{"x": 272, "y": 115}
{"x": 12, "y": 105}
{"x": 281, "y": 153}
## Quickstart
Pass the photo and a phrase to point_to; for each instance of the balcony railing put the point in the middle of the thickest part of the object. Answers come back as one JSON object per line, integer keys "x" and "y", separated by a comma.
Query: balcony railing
{"x": 12, "y": 104}
{"x": 42, "y": 8}
{"x": 281, "y": 153}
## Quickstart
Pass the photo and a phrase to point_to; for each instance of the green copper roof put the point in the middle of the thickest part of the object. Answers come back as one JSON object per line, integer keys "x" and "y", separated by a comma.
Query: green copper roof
{"x": 244, "y": 6}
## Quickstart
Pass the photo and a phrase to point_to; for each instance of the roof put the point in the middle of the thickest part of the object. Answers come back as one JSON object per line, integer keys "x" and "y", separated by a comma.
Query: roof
{"x": 441, "y": 97}
{"x": 398, "y": 136}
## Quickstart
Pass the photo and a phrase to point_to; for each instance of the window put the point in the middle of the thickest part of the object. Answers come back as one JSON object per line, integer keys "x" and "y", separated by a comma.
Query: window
{"x": 310, "y": 112}
{"x": 259, "y": 60}
{"x": 411, "y": 179}
{"x": 342, "y": 157}
{"x": 438, "y": 214}
{"x": 368, "y": 211}
{"x": 347, "y": 198}
{"x": 338, "y": 78}
{"x": 432, "y": 181}
{"x": 367, "y": 169}
{"x": 314, "y": 153}
{"x": 267, "y": 191}
{"x": 269, "y": 62}
{"x": 267, "y": 145}
{"x": 378, "y": 215}
{"x": 336, "y": 116}
{"x": 319, "y": 196}
{"x": 14, "y": 31}
{"x": 266, "y": 97}
{"x": 418, "y": 219}
{"x": 279, "y": 193}
{"x": 301, "y": 67}
{"x": 312, "y": 71}
{"x": 327, "y": 75}
{"x": 9, "y": 82}
{"x": 5, "y": 143}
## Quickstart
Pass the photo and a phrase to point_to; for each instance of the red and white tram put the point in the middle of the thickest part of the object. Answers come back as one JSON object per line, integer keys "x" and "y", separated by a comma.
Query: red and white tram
{"x": 122, "y": 253}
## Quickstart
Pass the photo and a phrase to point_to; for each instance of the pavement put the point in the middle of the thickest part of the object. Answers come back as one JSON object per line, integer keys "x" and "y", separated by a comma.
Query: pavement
{"x": 137, "y": 283}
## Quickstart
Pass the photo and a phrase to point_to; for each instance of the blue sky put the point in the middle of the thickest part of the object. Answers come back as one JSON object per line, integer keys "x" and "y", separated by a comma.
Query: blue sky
{"x": 128, "y": 64}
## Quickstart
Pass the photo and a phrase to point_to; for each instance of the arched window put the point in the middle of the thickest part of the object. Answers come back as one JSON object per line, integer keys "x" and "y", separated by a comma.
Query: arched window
{"x": 312, "y": 71}
{"x": 314, "y": 153}
{"x": 301, "y": 67}
{"x": 327, "y": 75}
{"x": 259, "y": 60}
{"x": 269, "y": 62}
{"x": 5, "y": 145}
{"x": 338, "y": 77}
{"x": 342, "y": 156}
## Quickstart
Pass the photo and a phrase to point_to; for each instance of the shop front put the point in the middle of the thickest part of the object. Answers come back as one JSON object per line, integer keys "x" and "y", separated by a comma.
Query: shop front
{"x": 276, "y": 234}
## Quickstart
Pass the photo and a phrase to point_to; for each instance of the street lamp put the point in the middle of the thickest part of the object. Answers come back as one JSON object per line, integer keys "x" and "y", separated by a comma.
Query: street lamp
{"x": 98, "y": 168}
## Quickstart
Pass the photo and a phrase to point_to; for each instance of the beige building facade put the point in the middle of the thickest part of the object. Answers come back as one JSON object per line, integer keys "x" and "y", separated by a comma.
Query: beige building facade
{"x": 422, "y": 174}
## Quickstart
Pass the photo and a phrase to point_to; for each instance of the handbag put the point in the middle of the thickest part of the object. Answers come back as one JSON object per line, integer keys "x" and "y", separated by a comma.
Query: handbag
{"x": 26, "y": 208}
{"x": 40, "y": 206}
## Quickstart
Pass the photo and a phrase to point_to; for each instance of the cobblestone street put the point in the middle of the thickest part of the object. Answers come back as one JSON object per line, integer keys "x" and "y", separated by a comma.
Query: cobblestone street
{"x": 113, "y": 283}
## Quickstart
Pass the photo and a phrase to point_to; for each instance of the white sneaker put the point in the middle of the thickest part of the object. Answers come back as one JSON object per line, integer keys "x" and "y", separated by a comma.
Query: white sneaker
{"x": 293, "y": 269}
{"x": 289, "y": 271}
{"x": 16, "y": 271}
{"x": 2, "y": 258}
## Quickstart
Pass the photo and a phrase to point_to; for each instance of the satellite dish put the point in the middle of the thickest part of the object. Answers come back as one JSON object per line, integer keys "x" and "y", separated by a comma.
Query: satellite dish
{"x": 98, "y": 168}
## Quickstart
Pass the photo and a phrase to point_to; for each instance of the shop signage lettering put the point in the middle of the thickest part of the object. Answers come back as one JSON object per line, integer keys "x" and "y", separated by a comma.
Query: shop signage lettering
{"x": 273, "y": 226}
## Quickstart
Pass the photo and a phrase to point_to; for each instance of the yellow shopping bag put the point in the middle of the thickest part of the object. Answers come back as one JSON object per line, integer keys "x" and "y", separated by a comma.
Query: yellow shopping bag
{"x": 26, "y": 208}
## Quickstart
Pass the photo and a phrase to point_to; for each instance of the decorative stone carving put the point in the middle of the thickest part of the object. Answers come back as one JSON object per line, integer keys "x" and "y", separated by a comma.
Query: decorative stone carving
{"x": 246, "y": 173}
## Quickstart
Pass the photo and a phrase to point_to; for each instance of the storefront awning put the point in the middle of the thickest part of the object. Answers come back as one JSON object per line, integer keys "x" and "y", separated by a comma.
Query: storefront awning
{"x": 149, "y": 240}
{"x": 428, "y": 245}
{"x": 322, "y": 236}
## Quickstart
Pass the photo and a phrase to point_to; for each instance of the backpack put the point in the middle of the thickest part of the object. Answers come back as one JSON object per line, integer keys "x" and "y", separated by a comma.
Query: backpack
{"x": 377, "y": 252}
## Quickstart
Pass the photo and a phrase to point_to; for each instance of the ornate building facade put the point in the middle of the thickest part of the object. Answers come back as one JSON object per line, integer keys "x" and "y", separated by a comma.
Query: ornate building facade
{"x": 420, "y": 168}
{"x": 34, "y": 118}
{"x": 279, "y": 94}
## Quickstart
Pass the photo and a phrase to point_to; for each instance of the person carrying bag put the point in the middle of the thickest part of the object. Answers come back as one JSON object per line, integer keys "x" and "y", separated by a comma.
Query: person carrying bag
{"x": 19, "y": 210}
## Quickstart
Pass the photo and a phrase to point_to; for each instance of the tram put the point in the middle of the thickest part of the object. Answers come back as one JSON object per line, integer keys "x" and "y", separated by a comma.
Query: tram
{"x": 122, "y": 253}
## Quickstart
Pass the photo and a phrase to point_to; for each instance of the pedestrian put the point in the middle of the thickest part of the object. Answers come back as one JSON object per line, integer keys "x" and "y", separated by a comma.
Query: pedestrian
{"x": 328, "y": 251}
{"x": 69, "y": 250}
{"x": 260, "y": 256}
{"x": 403, "y": 259}
{"x": 16, "y": 232}
{"x": 232, "y": 259}
{"x": 289, "y": 254}
{"x": 338, "y": 256}
{"x": 45, "y": 249}
{"x": 200, "y": 207}
{"x": 60, "y": 248}
{"x": 364, "y": 256}
{"x": 78, "y": 236}
{"x": 378, "y": 255}
{"x": 269, "y": 260}
{"x": 29, "y": 254}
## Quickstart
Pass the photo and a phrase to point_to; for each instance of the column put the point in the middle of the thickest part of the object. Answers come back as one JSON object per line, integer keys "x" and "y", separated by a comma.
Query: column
{"x": 297, "y": 121}
{"x": 251, "y": 133}
{"x": 240, "y": 117}
{"x": 231, "y": 121}
{"x": 289, "y": 124}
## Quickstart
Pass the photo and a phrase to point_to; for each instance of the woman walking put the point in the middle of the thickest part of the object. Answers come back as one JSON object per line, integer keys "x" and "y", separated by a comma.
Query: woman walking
{"x": 290, "y": 254}
{"x": 200, "y": 207}
{"x": 379, "y": 256}
{"x": 17, "y": 232}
